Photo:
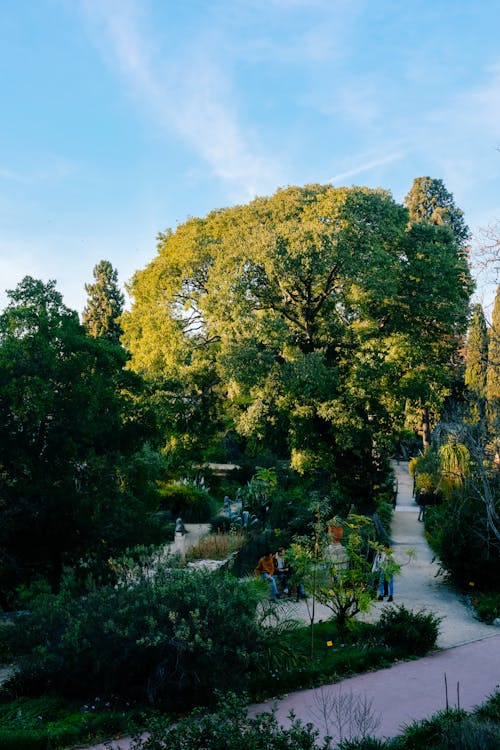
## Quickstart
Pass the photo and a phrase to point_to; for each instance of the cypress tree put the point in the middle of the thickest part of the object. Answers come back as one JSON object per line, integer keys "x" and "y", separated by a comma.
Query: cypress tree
{"x": 105, "y": 303}
{"x": 476, "y": 364}
{"x": 493, "y": 373}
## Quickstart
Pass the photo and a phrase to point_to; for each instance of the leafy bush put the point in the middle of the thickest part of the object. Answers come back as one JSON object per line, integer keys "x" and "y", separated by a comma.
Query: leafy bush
{"x": 230, "y": 728}
{"x": 452, "y": 729}
{"x": 166, "y": 637}
{"x": 48, "y": 722}
{"x": 486, "y": 605}
{"x": 467, "y": 547}
{"x": 192, "y": 504}
{"x": 414, "y": 632}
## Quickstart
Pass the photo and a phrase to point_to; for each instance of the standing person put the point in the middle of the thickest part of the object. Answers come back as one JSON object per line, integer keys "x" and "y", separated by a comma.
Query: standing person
{"x": 382, "y": 566}
{"x": 282, "y": 569}
{"x": 265, "y": 569}
{"x": 422, "y": 502}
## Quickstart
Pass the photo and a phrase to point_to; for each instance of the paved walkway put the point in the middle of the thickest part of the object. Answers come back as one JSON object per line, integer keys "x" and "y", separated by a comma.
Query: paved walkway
{"x": 469, "y": 661}
{"x": 421, "y": 584}
{"x": 411, "y": 691}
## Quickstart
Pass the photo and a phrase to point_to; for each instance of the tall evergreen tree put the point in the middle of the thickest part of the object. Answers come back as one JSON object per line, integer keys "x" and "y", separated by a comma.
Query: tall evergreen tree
{"x": 429, "y": 200}
{"x": 493, "y": 374}
{"x": 105, "y": 303}
{"x": 476, "y": 364}
{"x": 430, "y": 203}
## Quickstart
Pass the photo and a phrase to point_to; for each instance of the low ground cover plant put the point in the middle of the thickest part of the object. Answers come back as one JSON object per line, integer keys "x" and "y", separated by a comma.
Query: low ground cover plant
{"x": 51, "y": 722}
{"x": 486, "y": 605}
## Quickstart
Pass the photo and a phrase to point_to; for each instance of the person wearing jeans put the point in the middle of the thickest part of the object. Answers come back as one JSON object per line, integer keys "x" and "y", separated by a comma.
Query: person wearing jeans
{"x": 265, "y": 569}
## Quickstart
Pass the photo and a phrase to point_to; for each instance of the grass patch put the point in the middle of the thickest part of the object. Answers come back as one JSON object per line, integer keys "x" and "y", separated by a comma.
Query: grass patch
{"x": 216, "y": 546}
{"x": 50, "y": 722}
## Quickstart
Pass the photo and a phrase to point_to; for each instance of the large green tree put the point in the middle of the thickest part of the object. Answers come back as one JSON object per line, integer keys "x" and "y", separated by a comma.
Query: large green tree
{"x": 438, "y": 286}
{"x": 104, "y": 304}
{"x": 66, "y": 441}
{"x": 301, "y": 310}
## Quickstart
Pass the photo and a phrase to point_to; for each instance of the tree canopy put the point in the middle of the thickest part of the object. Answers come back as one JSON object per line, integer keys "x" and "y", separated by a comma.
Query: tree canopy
{"x": 66, "y": 411}
{"x": 312, "y": 315}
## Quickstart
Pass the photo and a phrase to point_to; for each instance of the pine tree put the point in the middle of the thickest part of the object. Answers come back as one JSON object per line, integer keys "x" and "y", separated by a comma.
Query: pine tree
{"x": 105, "y": 303}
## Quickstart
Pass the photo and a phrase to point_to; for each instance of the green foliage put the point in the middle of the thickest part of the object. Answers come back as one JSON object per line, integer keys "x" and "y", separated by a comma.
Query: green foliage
{"x": 452, "y": 729}
{"x": 430, "y": 201}
{"x": 414, "y": 632}
{"x": 192, "y": 504}
{"x": 104, "y": 304}
{"x": 163, "y": 637}
{"x": 302, "y": 322}
{"x": 459, "y": 533}
{"x": 477, "y": 354}
{"x": 491, "y": 708}
{"x": 493, "y": 372}
{"x": 486, "y": 605}
{"x": 230, "y": 728}
{"x": 67, "y": 411}
{"x": 49, "y": 723}
{"x": 337, "y": 575}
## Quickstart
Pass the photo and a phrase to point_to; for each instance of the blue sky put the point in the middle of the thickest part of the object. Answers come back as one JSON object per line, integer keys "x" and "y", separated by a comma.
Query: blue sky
{"x": 121, "y": 118}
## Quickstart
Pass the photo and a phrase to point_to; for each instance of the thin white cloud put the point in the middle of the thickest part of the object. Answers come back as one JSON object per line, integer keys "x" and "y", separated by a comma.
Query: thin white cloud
{"x": 58, "y": 170}
{"x": 193, "y": 100}
{"x": 366, "y": 167}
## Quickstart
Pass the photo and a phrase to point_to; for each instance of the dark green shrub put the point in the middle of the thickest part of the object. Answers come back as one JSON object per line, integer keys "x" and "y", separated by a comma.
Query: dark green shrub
{"x": 414, "y": 632}
{"x": 429, "y": 732}
{"x": 486, "y": 605}
{"x": 491, "y": 708}
{"x": 462, "y": 538}
{"x": 220, "y": 524}
{"x": 192, "y": 504}
{"x": 48, "y": 723}
{"x": 230, "y": 728}
{"x": 385, "y": 513}
{"x": 452, "y": 729}
{"x": 180, "y": 634}
{"x": 471, "y": 734}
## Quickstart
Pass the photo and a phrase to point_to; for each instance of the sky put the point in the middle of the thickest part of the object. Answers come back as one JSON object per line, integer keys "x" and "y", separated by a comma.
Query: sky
{"x": 122, "y": 118}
